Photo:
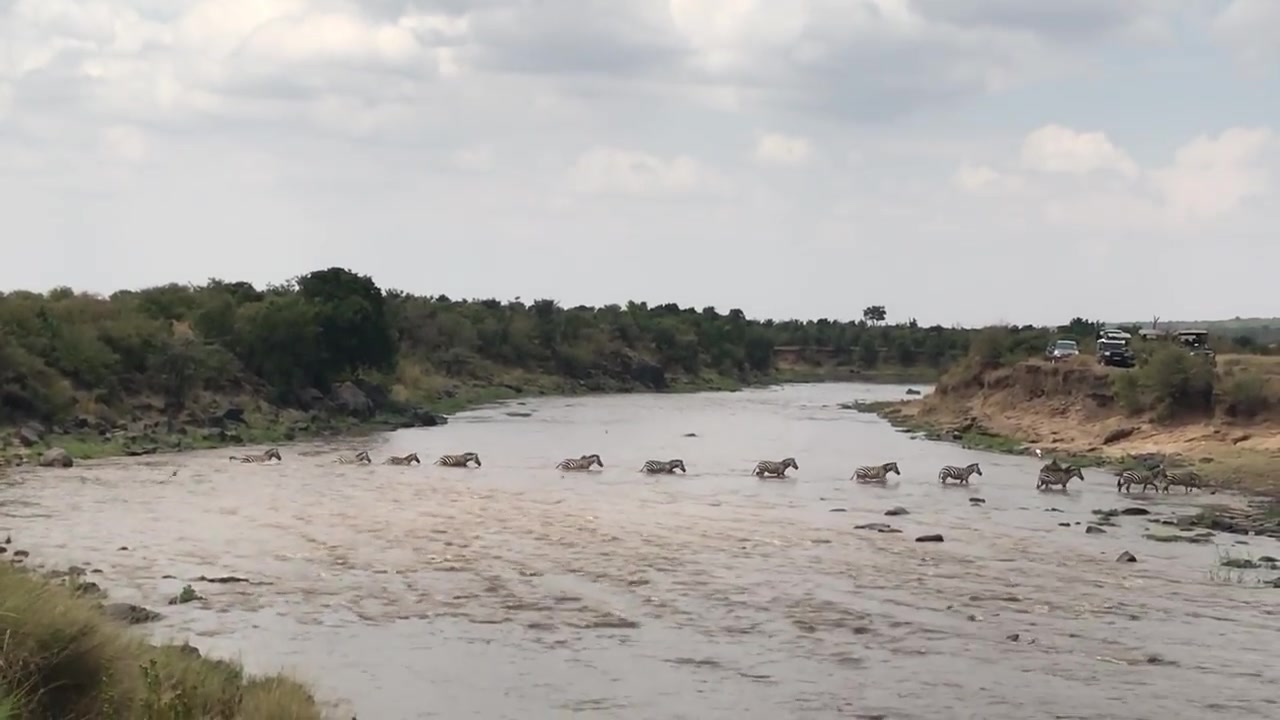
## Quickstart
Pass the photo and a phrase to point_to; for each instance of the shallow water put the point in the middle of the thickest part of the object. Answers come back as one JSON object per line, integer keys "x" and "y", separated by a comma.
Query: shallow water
{"x": 516, "y": 591}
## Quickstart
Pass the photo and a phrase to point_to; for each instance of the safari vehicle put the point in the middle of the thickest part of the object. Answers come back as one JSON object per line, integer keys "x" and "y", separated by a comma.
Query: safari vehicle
{"x": 1114, "y": 334}
{"x": 1197, "y": 343}
{"x": 1061, "y": 350}
{"x": 1116, "y": 353}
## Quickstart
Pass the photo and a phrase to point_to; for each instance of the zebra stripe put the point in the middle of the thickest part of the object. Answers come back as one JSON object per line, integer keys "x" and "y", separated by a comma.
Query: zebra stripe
{"x": 1053, "y": 474}
{"x": 409, "y": 459}
{"x": 875, "y": 473}
{"x": 272, "y": 454}
{"x": 361, "y": 458}
{"x": 1145, "y": 478}
{"x": 458, "y": 460}
{"x": 961, "y": 474}
{"x": 663, "y": 467}
{"x": 580, "y": 463}
{"x": 1187, "y": 479}
{"x": 777, "y": 468}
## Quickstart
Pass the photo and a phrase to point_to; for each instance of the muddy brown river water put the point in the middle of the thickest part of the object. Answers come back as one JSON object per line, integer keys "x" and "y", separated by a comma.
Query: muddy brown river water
{"x": 516, "y": 591}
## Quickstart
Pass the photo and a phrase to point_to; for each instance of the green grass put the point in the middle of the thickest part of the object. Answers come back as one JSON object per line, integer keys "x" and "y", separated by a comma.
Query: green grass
{"x": 62, "y": 658}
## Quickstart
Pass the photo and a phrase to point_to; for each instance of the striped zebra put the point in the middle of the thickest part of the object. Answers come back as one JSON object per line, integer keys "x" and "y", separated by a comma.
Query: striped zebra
{"x": 458, "y": 460}
{"x": 1145, "y": 478}
{"x": 663, "y": 467}
{"x": 361, "y": 458}
{"x": 875, "y": 473}
{"x": 777, "y": 468}
{"x": 959, "y": 474}
{"x": 580, "y": 463}
{"x": 1187, "y": 479}
{"x": 272, "y": 454}
{"x": 1055, "y": 475}
{"x": 409, "y": 459}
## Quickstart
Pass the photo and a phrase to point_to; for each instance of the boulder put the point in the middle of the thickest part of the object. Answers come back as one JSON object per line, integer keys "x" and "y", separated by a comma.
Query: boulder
{"x": 130, "y": 614}
{"x": 30, "y": 434}
{"x": 351, "y": 400}
{"x": 56, "y": 457}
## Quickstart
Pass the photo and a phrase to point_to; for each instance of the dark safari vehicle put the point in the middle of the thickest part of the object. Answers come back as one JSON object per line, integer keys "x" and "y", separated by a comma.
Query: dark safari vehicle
{"x": 1116, "y": 353}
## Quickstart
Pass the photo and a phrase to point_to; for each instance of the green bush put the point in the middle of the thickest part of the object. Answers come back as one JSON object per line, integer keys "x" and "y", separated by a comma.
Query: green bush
{"x": 1246, "y": 395}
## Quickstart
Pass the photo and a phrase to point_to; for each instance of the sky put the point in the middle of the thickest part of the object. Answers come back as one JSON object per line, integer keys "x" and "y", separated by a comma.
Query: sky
{"x": 957, "y": 161}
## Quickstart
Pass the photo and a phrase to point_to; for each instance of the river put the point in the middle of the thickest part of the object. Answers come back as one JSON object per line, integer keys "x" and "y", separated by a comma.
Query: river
{"x": 516, "y": 591}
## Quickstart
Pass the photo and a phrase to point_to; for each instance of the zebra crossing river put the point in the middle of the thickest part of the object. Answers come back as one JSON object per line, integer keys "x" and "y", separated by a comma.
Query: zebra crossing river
{"x": 516, "y": 590}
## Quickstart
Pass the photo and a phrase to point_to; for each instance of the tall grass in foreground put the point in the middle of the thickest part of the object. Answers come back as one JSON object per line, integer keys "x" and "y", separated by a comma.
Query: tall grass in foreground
{"x": 62, "y": 659}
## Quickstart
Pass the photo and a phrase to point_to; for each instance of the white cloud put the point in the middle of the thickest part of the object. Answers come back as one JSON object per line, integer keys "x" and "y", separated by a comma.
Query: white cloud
{"x": 1212, "y": 176}
{"x": 324, "y": 130}
{"x": 1057, "y": 149}
{"x": 985, "y": 179}
{"x": 783, "y": 150}
{"x": 614, "y": 171}
{"x": 1251, "y": 30}
{"x": 124, "y": 143}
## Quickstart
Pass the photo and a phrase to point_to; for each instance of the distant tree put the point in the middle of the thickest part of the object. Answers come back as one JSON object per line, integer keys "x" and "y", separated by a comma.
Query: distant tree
{"x": 352, "y": 316}
{"x": 874, "y": 314}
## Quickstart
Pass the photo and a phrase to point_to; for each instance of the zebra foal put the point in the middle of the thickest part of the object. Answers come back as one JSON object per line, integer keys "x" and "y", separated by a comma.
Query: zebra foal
{"x": 360, "y": 458}
{"x": 409, "y": 459}
{"x": 272, "y": 454}
{"x": 777, "y": 468}
{"x": 876, "y": 473}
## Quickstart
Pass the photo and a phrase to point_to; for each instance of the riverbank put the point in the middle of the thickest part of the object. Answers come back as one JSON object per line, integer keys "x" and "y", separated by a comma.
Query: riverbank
{"x": 360, "y": 409}
{"x": 66, "y": 655}
{"x": 1071, "y": 411}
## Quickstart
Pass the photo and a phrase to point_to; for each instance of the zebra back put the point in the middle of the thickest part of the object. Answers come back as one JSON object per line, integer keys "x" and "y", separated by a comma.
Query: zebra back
{"x": 459, "y": 460}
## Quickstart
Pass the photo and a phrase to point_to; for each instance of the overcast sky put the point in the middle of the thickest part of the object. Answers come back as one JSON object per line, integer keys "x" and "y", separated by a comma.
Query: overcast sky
{"x": 967, "y": 161}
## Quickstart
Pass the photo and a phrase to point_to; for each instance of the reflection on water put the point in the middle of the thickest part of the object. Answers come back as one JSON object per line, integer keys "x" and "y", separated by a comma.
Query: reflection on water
{"x": 516, "y": 591}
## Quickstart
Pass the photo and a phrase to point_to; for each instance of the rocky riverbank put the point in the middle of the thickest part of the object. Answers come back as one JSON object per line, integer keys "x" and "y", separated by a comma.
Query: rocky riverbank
{"x": 69, "y": 653}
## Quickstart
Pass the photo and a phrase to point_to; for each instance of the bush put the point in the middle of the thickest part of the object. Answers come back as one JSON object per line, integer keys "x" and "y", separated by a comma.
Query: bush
{"x": 1246, "y": 395}
{"x": 62, "y": 658}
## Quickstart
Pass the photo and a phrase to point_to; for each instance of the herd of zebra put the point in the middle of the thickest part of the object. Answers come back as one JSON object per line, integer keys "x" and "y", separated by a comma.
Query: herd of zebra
{"x": 1051, "y": 475}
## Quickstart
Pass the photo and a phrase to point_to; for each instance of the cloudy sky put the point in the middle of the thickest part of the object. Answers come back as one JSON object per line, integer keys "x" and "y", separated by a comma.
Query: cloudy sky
{"x": 967, "y": 161}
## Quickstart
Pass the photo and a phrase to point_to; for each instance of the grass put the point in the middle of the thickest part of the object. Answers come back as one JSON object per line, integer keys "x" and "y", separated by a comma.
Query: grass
{"x": 60, "y": 657}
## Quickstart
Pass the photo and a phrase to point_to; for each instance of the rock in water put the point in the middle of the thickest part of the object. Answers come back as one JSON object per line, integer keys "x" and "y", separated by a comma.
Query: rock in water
{"x": 934, "y": 537}
{"x": 56, "y": 457}
{"x": 1126, "y": 556}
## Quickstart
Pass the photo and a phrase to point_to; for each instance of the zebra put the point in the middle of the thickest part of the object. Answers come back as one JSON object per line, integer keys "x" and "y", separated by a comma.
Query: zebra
{"x": 1188, "y": 479}
{"x": 1145, "y": 478}
{"x": 875, "y": 473}
{"x": 580, "y": 463}
{"x": 409, "y": 459}
{"x": 272, "y": 454}
{"x": 458, "y": 460}
{"x": 661, "y": 467}
{"x": 361, "y": 458}
{"x": 960, "y": 474}
{"x": 1055, "y": 474}
{"x": 777, "y": 468}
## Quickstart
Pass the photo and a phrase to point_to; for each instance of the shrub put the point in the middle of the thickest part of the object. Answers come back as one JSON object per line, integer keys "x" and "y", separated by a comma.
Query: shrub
{"x": 62, "y": 658}
{"x": 1246, "y": 395}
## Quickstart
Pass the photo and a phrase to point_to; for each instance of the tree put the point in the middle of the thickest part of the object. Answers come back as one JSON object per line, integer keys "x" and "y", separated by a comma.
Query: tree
{"x": 352, "y": 317}
{"x": 874, "y": 314}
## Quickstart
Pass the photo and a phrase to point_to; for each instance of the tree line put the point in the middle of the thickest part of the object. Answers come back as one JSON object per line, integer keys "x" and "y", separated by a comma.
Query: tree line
{"x": 62, "y": 351}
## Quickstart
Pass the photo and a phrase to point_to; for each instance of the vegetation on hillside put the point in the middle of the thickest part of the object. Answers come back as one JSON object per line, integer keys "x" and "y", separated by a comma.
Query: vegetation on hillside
{"x": 171, "y": 348}
{"x": 63, "y": 658}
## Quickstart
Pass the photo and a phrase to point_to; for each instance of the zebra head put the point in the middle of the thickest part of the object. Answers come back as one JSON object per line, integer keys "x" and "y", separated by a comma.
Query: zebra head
{"x": 363, "y": 457}
{"x": 893, "y": 468}
{"x": 789, "y": 462}
{"x": 273, "y": 454}
{"x": 974, "y": 468}
{"x": 677, "y": 464}
{"x": 594, "y": 458}
{"x": 1071, "y": 471}
{"x": 471, "y": 457}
